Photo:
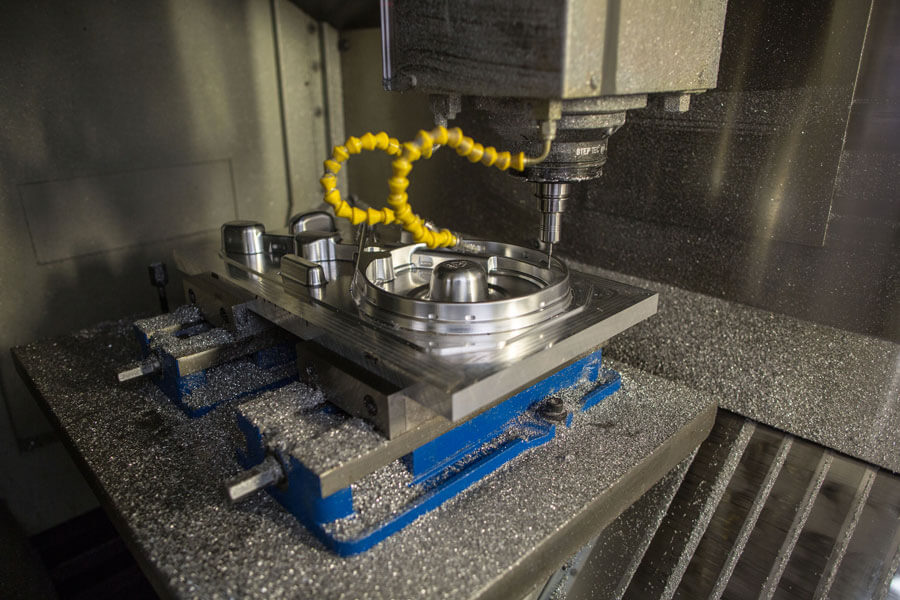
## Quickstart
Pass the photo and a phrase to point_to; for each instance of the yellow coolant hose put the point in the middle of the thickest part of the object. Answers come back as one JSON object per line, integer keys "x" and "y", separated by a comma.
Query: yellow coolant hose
{"x": 407, "y": 153}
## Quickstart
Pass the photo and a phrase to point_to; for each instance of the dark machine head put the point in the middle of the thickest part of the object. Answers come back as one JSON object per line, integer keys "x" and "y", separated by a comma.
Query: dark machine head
{"x": 557, "y": 78}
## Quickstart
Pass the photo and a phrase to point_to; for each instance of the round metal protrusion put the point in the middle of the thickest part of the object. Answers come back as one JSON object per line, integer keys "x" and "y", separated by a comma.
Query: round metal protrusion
{"x": 267, "y": 473}
{"x": 554, "y": 409}
{"x": 318, "y": 220}
{"x": 552, "y": 199}
{"x": 552, "y": 190}
{"x": 521, "y": 289}
{"x": 458, "y": 281}
{"x": 551, "y": 227}
{"x": 552, "y": 196}
{"x": 317, "y": 246}
{"x": 243, "y": 237}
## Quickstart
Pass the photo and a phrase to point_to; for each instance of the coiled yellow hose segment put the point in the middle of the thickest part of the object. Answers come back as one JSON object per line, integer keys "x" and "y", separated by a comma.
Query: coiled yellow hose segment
{"x": 408, "y": 153}
{"x": 355, "y": 145}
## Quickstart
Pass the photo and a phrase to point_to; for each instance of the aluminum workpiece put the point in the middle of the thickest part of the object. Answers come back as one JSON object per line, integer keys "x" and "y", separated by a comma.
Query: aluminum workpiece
{"x": 453, "y": 358}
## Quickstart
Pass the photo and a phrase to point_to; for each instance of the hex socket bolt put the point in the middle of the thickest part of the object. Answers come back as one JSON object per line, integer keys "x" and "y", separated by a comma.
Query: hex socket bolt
{"x": 268, "y": 472}
{"x": 554, "y": 409}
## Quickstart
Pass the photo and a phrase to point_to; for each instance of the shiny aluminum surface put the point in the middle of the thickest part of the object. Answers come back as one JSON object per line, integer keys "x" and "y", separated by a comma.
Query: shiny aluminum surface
{"x": 552, "y": 200}
{"x": 243, "y": 237}
{"x": 537, "y": 318}
{"x": 522, "y": 289}
{"x": 458, "y": 281}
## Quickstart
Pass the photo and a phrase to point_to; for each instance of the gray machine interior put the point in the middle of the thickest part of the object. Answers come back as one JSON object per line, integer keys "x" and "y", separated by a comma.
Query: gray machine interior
{"x": 766, "y": 217}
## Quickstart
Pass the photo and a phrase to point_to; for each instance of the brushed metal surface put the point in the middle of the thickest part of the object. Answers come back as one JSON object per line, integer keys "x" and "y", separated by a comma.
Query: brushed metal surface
{"x": 453, "y": 376}
{"x": 559, "y": 49}
{"x": 795, "y": 520}
{"x": 736, "y": 516}
{"x": 877, "y": 534}
{"x": 618, "y": 550}
{"x": 72, "y": 217}
{"x": 691, "y": 510}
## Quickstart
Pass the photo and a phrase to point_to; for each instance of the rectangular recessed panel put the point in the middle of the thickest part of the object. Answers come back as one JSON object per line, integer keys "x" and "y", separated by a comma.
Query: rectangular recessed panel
{"x": 84, "y": 215}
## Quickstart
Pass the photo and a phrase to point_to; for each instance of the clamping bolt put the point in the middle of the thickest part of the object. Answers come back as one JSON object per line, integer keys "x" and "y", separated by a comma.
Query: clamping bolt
{"x": 268, "y": 472}
{"x": 148, "y": 366}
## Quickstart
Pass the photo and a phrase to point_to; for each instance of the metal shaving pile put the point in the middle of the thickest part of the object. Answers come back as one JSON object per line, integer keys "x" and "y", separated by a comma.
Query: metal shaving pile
{"x": 161, "y": 472}
{"x": 831, "y": 386}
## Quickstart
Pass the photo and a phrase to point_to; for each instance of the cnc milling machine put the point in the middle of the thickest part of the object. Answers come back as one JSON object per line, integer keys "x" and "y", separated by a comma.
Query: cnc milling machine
{"x": 400, "y": 391}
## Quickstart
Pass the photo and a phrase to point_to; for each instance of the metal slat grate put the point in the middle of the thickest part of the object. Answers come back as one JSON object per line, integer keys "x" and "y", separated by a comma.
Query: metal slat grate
{"x": 750, "y": 522}
{"x": 728, "y": 529}
{"x": 792, "y": 493}
{"x": 796, "y": 526}
{"x": 877, "y": 535}
{"x": 619, "y": 549}
{"x": 758, "y": 514}
{"x": 671, "y": 550}
{"x": 810, "y": 557}
{"x": 848, "y": 527}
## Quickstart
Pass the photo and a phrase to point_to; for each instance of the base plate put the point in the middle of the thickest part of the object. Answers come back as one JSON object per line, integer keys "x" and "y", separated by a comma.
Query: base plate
{"x": 158, "y": 475}
{"x": 451, "y": 375}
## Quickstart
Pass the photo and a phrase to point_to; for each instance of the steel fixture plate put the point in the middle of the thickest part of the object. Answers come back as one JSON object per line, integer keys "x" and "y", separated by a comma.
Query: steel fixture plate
{"x": 451, "y": 371}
